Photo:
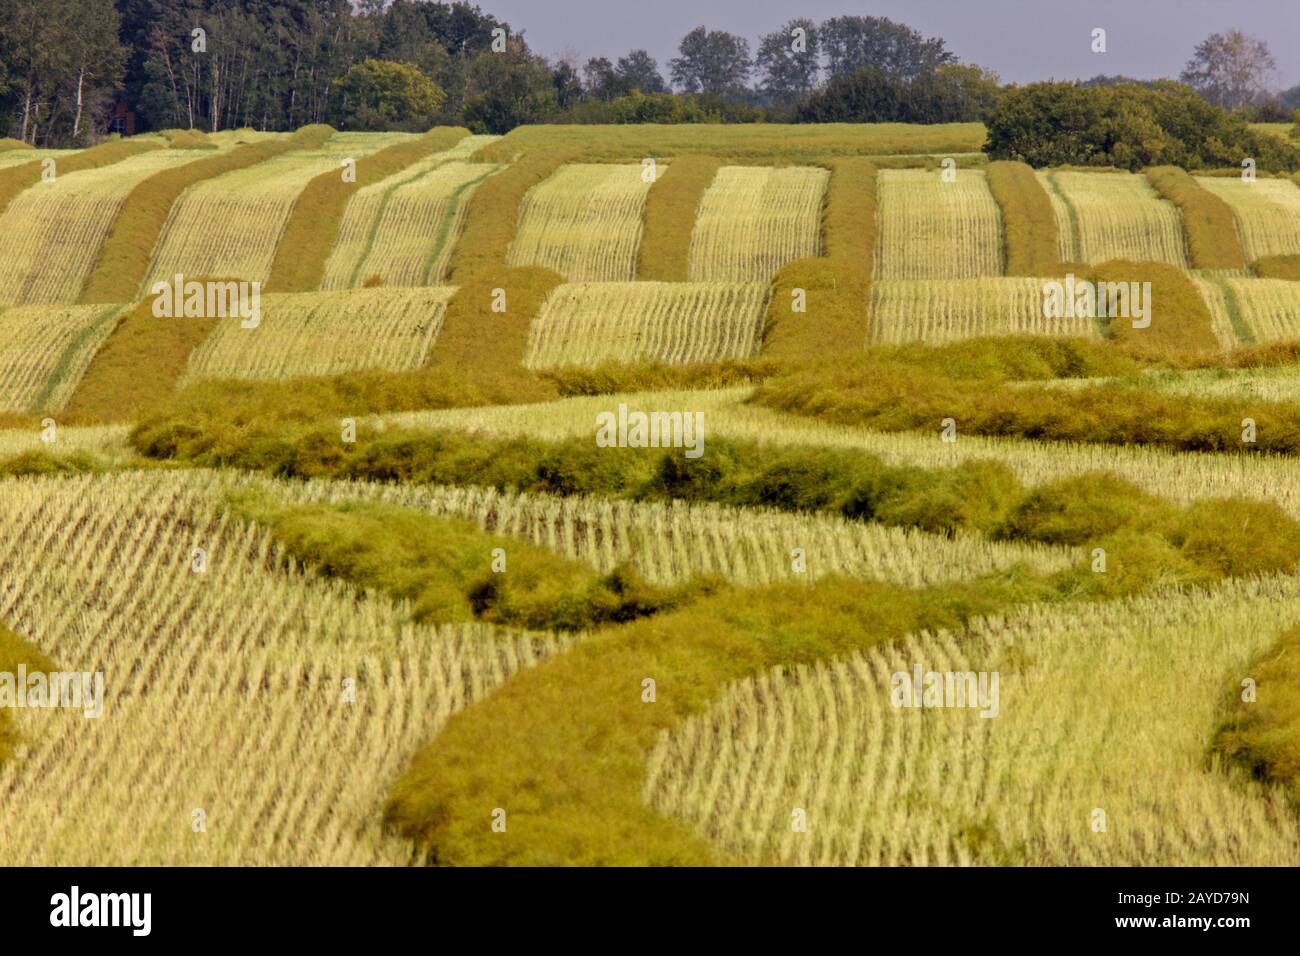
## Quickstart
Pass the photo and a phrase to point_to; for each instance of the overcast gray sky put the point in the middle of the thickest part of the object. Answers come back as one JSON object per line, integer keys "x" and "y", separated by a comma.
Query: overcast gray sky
{"x": 1023, "y": 40}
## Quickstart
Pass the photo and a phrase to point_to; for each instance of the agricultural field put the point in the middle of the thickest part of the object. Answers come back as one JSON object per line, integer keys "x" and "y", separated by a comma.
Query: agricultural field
{"x": 944, "y": 310}
{"x": 584, "y": 222}
{"x": 1103, "y": 216}
{"x": 753, "y": 220}
{"x": 45, "y": 350}
{"x": 931, "y": 228}
{"x": 1267, "y": 213}
{"x": 54, "y": 232}
{"x": 325, "y": 333}
{"x": 386, "y": 226}
{"x": 227, "y": 227}
{"x": 677, "y": 323}
{"x": 531, "y": 421}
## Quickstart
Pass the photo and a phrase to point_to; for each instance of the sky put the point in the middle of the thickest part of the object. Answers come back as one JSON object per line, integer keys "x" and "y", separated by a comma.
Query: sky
{"x": 1022, "y": 40}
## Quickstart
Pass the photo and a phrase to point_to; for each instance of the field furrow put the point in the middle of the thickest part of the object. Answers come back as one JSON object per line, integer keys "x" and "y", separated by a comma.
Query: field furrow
{"x": 1267, "y": 213}
{"x": 944, "y": 310}
{"x": 229, "y": 226}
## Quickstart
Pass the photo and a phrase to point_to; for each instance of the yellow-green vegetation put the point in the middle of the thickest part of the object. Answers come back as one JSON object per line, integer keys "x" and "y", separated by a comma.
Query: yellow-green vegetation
{"x": 1208, "y": 222}
{"x": 754, "y": 220}
{"x": 1267, "y": 213}
{"x": 1115, "y": 215}
{"x": 731, "y": 415}
{"x": 1261, "y": 731}
{"x": 231, "y": 225}
{"x": 1278, "y": 267}
{"x": 751, "y": 144}
{"x": 312, "y": 228}
{"x": 943, "y": 310}
{"x": 677, "y": 323}
{"x": 888, "y": 786}
{"x": 401, "y": 230}
{"x": 1244, "y": 384}
{"x": 937, "y": 225}
{"x": 832, "y": 290}
{"x": 670, "y": 542}
{"x": 1253, "y": 310}
{"x": 125, "y": 255}
{"x": 1030, "y": 242}
{"x": 324, "y": 333}
{"x": 273, "y": 648}
{"x": 54, "y": 231}
{"x": 671, "y": 208}
{"x": 33, "y": 170}
{"x": 1181, "y": 326}
{"x": 45, "y": 350}
{"x": 486, "y": 327}
{"x": 448, "y": 570}
{"x": 564, "y": 748}
{"x": 493, "y": 216}
{"x": 136, "y": 370}
{"x": 14, "y": 653}
{"x": 583, "y": 222}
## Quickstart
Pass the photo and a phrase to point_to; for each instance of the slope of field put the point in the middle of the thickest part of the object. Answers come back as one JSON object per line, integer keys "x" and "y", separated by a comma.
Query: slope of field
{"x": 45, "y": 350}
{"x": 1267, "y": 212}
{"x": 669, "y": 543}
{"x": 265, "y": 735}
{"x": 627, "y": 322}
{"x": 325, "y": 333}
{"x": 17, "y": 157}
{"x": 758, "y": 143}
{"x": 932, "y": 229}
{"x": 230, "y": 225}
{"x": 943, "y": 310}
{"x": 1180, "y": 477}
{"x": 1104, "y": 216}
{"x": 1252, "y": 310}
{"x": 584, "y": 222}
{"x": 402, "y": 229}
{"x": 1252, "y": 384}
{"x": 890, "y": 786}
{"x": 54, "y": 230}
{"x": 754, "y": 220}
{"x": 106, "y": 442}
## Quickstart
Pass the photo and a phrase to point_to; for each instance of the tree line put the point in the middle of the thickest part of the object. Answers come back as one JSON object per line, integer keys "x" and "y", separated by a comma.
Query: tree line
{"x": 66, "y": 66}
